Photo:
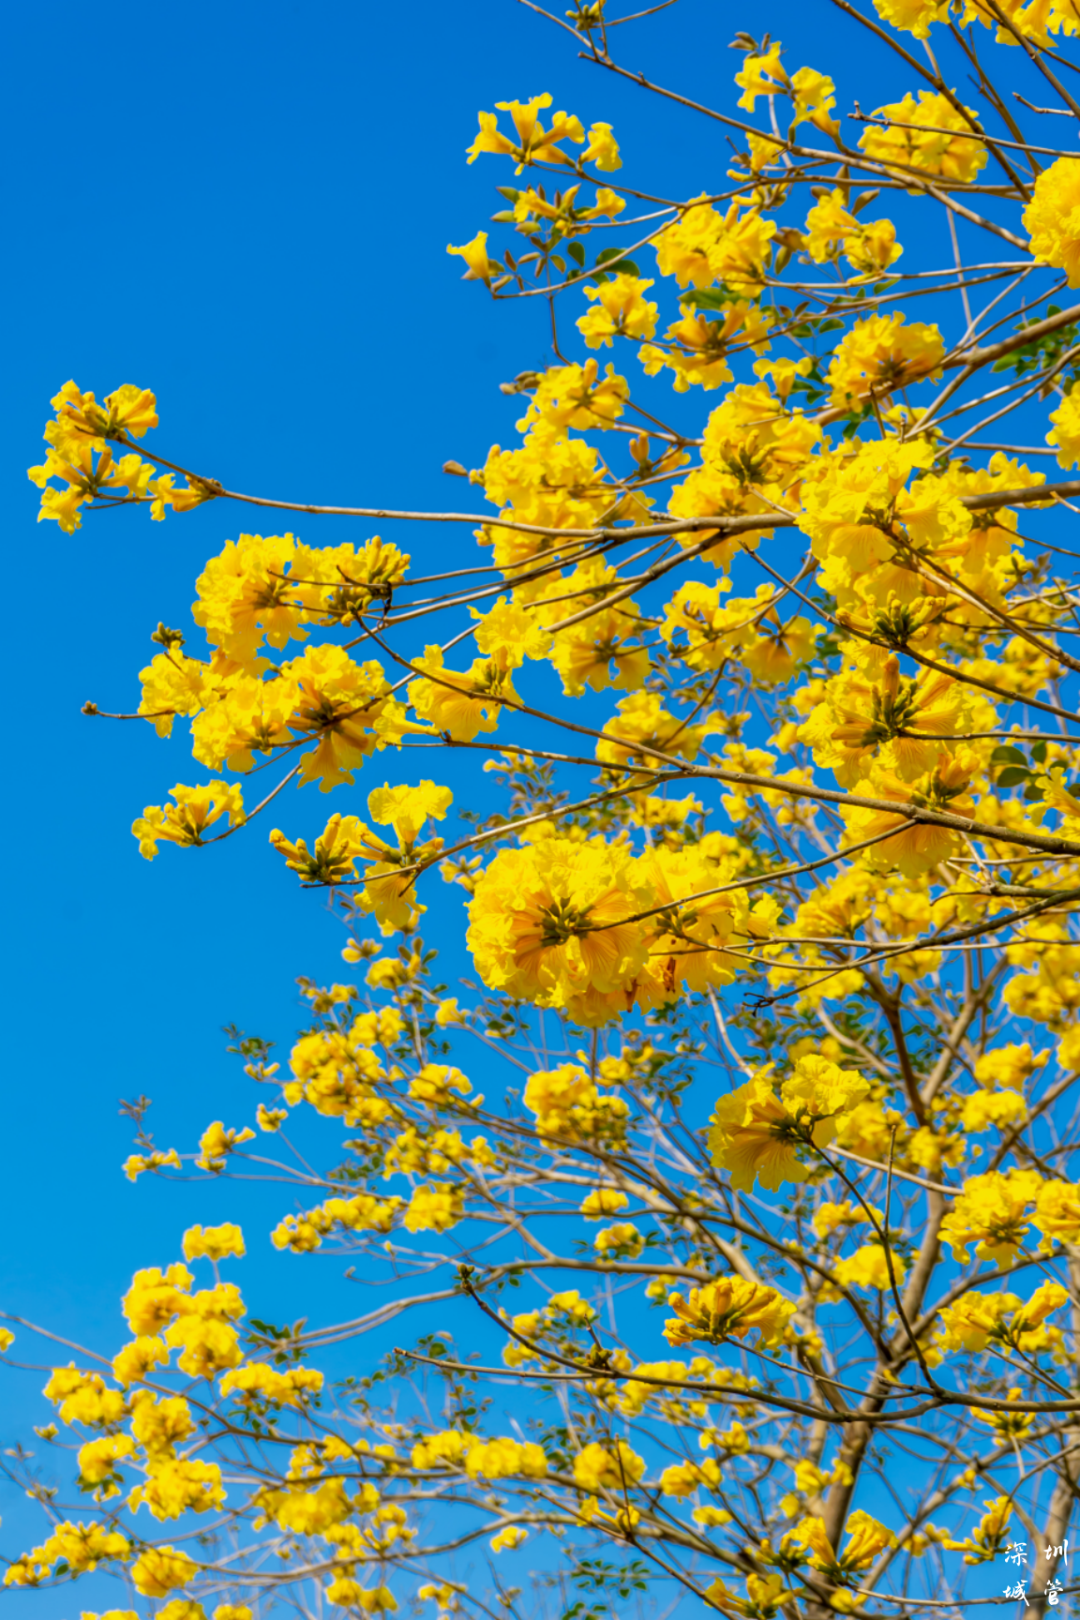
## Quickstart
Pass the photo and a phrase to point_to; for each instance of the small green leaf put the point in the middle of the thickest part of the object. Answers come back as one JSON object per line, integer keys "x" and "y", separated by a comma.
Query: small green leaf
{"x": 708, "y": 298}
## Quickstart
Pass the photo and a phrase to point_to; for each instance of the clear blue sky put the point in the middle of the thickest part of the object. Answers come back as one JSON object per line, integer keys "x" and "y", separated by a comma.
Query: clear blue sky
{"x": 245, "y": 208}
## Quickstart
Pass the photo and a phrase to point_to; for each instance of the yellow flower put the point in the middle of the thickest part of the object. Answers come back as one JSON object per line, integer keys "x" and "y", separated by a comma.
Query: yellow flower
{"x": 698, "y": 938}
{"x": 913, "y": 16}
{"x": 991, "y": 1211}
{"x": 347, "y": 707}
{"x": 173, "y": 684}
{"x": 434, "y": 1209}
{"x": 553, "y": 924}
{"x": 813, "y": 97}
{"x": 869, "y": 248}
{"x": 621, "y": 1241}
{"x": 702, "y": 247}
{"x": 988, "y": 1537}
{"x": 870, "y": 1267}
{"x": 160, "y": 1570}
{"x": 756, "y": 1134}
{"x": 765, "y": 1594}
{"x": 82, "y": 1547}
{"x": 1008, "y": 1066}
{"x": 505, "y": 1459}
{"x": 245, "y": 594}
{"x": 508, "y": 1539}
{"x": 683, "y": 1479}
{"x": 156, "y": 1296}
{"x": 534, "y": 144}
{"x": 213, "y": 1242}
{"x": 612, "y": 1468}
{"x": 258, "y": 1384}
{"x": 82, "y": 1397}
{"x": 1051, "y": 217}
{"x": 728, "y": 1308}
{"x": 761, "y": 75}
{"x": 1057, "y": 1213}
{"x": 129, "y": 410}
{"x": 603, "y": 1201}
{"x": 175, "y": 1486}
{"x": 479, "y": 266}
{"x": 439, "y": 1085}
{"x": 872, "y": 715}
{"x": 1066, "y": 418}
{"x": 215, "y": 1144}
{"x": 922, "y": 147}
{"x": 868, "y": 1538}
{"x": 132, "y": 1364}
{"x": 362, "y": 1213}
{"x": 448, "y": 1449}
{"x": 883, "y": 353}
{"x": 460, "y": 702}
{"x": 919, "y": 848}
{"x": 603, "y": 149}
{"x": 160, "y": 1423}
{"x": 574, "y": 396}
{"x": 97, "y": 1464}
{"x": 829, "y": 1217}
{"x": 1010, "y": 1428}
{"x": 621, "y": 310}
{"x": 567, "y": 1105}
{"x": 184, "y": 823}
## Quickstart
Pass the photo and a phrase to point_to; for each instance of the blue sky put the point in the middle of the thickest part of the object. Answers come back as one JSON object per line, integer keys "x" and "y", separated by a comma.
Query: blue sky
{"x": 245, "y": 208}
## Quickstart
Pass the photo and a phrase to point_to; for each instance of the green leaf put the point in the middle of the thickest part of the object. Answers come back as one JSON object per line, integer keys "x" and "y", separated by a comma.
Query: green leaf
{"x": 708, "y": 298}
{"x": 1013, "y": 775}
{"x": 1008, "y": 755}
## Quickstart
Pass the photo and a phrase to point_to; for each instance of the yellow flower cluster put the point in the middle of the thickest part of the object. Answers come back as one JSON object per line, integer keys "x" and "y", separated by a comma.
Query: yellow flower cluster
{"x": 880, "y": 354}
{"x": 363, "y": 1212}
{"x": 481, "y": 1459}
{"x": 831, "y": 229}
{"x": 928, "y": 136}
{"x": 200, "y": 1325}
{"x": 765, "y": 1132}
{"x": 728, "y": 1308}
{"x": 591, "y": 928}
{"x": 994, "y": 1212}
{"x": 1051, "y": 218}
{"x": 812, "y": 826}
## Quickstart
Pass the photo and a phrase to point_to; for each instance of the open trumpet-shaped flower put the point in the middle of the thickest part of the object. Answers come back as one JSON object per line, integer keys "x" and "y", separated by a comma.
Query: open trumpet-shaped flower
{"x": 728, "y": 1308}
{"x": 767, "y": 1133}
